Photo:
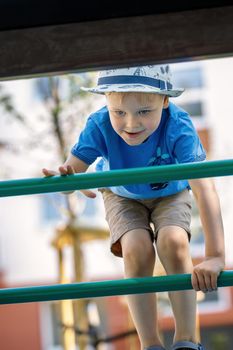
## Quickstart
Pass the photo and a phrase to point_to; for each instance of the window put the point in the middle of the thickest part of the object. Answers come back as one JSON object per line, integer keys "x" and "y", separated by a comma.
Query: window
{"x": 51, "y": 207}
{"x": 195, "y": 109}
{"x": 189, "y": 78}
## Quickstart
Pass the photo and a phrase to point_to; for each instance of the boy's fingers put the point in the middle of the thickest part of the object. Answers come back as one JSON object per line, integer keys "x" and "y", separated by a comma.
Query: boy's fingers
{"x": 47, "y": 172}
{"x": 62, "y": 170}
{"x": 206, "y": 282}
{"x": 195, "y": 283}
{"x": 214, "y": 281}
{"x": 198, "y": 282}
{"x": 207, "y": 278}
{"x": 70, "y": 169}
{"x": 88, "y": 193}
{"x": 66, "y": 170}
{"x": 202, "y": 282}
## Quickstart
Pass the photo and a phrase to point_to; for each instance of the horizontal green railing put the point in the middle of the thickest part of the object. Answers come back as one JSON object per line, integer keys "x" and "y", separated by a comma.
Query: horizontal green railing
{"x": 116, "y": 177}
{"x": 104, "y": 288}
{"x": 106, "y": 179}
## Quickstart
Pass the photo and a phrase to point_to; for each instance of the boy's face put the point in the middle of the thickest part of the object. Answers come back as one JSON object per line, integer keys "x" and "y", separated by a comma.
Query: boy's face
{"x": 135, "y": 116}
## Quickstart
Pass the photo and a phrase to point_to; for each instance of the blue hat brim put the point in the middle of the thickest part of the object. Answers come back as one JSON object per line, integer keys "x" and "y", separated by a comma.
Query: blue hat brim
{"x": 103, "y": 89}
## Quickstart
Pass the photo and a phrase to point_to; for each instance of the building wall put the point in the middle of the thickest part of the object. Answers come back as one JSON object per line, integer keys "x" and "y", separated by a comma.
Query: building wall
{"x": 219, "y": 74}
{"x": 20, "y": 327}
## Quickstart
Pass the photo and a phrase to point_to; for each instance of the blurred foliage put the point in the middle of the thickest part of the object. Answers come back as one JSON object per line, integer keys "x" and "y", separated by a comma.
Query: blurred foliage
{"x": 67, "y": 107}
{"x": 59, "y": 111}
{"x": 64, "y": 109}
{"x": 7, "y": 105}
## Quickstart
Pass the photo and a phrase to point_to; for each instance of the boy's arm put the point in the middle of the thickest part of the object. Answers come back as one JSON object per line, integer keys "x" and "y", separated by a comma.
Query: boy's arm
{"x": 204, "y": 276}
{"x": 71, "y": 166}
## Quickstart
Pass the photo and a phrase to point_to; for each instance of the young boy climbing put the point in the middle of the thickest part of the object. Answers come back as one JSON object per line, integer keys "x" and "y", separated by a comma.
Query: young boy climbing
{"x": 140, "y": 127}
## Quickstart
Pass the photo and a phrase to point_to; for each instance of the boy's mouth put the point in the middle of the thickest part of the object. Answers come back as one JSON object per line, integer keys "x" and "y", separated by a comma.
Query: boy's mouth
{"x": 133, "y": 134}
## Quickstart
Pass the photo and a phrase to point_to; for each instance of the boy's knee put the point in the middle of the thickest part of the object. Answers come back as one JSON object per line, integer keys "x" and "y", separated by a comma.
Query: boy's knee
{"x": 173, "y": 242}
{"x": 138, "y": 254}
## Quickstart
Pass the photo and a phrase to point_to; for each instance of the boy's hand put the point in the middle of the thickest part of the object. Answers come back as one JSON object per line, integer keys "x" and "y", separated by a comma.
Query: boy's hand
{"x": 205, "y": 274}
{"x": 63, "y": 170}
{"x": 67, "y": 170}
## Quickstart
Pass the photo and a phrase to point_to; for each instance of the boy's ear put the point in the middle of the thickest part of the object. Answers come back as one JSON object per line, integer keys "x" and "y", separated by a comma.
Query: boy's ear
{"x": 166, "y": 102}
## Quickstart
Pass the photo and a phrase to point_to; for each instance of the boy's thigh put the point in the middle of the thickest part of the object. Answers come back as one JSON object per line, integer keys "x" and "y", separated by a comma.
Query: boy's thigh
{"x": 124, "y": 215}
{"x": 173, "y": 210}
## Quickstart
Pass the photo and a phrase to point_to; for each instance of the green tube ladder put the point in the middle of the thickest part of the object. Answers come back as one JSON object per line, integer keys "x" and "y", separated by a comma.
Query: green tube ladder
{"x": 106, "y": 179}
{"x": 104, "y": 288}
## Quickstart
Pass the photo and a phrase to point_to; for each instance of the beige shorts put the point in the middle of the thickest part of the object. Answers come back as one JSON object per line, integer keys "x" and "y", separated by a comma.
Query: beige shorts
{"x": 124, "y": 214}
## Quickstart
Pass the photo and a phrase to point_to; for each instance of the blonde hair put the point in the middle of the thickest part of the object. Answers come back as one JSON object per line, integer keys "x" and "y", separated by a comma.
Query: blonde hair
{"x": 142, "y": 97}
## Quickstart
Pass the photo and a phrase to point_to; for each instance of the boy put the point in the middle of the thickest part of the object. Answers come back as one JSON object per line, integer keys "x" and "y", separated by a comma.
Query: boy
{"x": 139, "y": 127}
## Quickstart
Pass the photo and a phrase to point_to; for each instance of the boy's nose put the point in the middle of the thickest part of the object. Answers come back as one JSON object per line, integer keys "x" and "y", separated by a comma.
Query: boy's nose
{"x": 132, "y": 123}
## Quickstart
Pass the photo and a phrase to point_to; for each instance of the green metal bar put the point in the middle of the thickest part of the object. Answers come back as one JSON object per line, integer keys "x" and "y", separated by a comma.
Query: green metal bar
{"x": 104, "y": 288}
{"x": 116, "y": 177}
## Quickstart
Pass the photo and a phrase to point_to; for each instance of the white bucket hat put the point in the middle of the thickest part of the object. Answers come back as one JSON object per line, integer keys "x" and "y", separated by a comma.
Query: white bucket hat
{"x": 153, "y": 79}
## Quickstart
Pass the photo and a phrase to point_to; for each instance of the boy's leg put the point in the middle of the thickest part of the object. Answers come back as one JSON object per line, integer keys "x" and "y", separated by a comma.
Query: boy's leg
{"x": 139, "y": 258}
{"x": 173, "y": 250}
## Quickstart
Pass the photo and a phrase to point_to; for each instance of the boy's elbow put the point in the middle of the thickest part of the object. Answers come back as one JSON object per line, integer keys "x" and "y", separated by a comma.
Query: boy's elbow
{"x": 203, "y": 186}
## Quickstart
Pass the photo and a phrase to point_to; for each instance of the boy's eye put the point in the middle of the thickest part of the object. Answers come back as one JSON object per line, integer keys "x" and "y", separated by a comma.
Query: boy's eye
{"x": 144, "y": 112}
{"x": 120, "y": 113}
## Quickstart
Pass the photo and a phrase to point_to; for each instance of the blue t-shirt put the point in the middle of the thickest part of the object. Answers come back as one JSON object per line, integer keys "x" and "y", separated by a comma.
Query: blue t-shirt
{"x": 174, "y": 141}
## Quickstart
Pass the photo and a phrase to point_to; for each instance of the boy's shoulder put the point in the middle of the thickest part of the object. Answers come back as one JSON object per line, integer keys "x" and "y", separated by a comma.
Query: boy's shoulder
{"x": 176, "y": 111}
{"x": 178, "y": 117}
{"x": 100, "y": 119}
{"x": 100, "y": 115}
{"x": 179, "y": 122}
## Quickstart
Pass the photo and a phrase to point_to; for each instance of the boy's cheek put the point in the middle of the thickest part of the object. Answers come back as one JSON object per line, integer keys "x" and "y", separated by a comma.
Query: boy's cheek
{"x": 152, "y": 126}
